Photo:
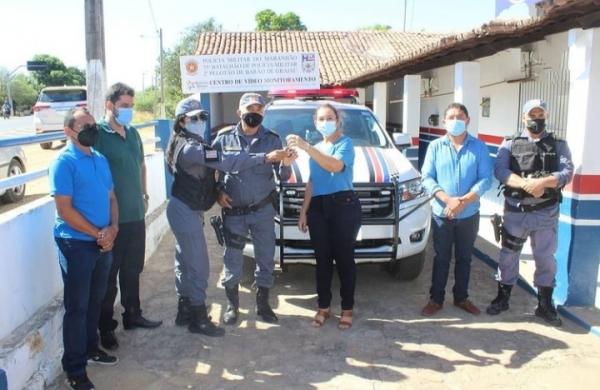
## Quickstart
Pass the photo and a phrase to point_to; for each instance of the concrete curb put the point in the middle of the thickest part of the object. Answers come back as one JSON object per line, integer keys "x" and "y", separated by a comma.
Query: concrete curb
{"x": 563, "y": 310}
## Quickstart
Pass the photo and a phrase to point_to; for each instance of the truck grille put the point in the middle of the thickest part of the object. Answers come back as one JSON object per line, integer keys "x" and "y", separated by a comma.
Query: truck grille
{"x": 376, "y": 202}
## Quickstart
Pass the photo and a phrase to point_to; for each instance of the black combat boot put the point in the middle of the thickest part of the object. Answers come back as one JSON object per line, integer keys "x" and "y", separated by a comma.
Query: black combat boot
{"x": 545, "y": 308}
{"x": 230, "y": 316}
{"x": 183, "y": 311}
{"x": 263, "y": 310}
{"x": 500, "y": 303}
{"x": 200, "y": 322}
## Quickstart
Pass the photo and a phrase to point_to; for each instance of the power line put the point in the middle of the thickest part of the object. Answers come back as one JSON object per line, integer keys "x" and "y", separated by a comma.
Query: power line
{"x": 152, "y": 14}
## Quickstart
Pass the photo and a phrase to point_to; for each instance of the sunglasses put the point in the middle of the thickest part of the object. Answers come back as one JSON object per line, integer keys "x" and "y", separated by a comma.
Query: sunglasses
{"x": 202, "y": 116}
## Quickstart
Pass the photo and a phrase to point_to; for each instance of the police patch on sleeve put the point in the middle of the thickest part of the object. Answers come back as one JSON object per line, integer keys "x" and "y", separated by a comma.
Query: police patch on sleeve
{"x": 210, "y": 154}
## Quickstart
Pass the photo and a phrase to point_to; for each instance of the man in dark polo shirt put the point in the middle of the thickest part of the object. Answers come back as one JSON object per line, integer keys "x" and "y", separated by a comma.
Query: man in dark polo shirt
{"x": 122, "y": 146}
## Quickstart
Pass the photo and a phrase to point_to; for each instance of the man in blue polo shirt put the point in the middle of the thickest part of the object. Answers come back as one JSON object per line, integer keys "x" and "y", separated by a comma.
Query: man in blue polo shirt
{"x": 85, "y": 229}
{"x": 457, "y": 170}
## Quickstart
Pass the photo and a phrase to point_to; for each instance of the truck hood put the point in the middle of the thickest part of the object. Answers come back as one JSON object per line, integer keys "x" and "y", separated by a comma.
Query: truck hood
{"x": 372, "y": 165}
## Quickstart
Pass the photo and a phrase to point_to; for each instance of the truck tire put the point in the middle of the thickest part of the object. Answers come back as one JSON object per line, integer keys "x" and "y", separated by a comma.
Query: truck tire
{"x": 46, "y": 145}
{"x": 408, "y": 268}
{"x": 15, "y": 194}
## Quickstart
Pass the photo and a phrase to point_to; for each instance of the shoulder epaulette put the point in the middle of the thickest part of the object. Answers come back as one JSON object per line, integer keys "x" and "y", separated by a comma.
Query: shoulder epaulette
{"x": 225, "y": 129}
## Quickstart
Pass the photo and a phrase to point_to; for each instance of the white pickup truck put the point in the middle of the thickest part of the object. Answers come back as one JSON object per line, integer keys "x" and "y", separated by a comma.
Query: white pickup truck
{"x": 396, "y": 214}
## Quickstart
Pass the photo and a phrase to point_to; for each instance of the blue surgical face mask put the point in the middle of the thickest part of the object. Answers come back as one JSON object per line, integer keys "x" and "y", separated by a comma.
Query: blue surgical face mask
{"x": 196, "y": 127}
{"x": 124, "y": 116}
{"x": 326, "y": 127}
{"x": 456, "y": 127}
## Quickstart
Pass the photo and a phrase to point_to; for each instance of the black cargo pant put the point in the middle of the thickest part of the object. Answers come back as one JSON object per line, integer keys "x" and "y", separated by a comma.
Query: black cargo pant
{"x": 128, "y": 262}
{"x": 333, "y": 222}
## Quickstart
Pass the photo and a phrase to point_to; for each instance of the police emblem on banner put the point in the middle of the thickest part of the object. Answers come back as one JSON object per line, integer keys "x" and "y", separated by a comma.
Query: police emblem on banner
{"x": 191, "y": 67}
{"x": 308, "y": 63}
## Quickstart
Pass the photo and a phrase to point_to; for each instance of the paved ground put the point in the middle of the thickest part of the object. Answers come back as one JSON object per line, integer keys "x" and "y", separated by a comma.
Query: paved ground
{"x": 390, "y": 346}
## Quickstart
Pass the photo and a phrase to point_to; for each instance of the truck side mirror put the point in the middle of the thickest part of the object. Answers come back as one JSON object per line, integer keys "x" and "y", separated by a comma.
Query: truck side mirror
{"x": 401, "y": 140}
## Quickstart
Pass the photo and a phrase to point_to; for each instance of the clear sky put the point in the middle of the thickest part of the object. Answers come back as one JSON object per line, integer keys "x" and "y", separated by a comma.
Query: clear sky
{"x": 56, "y": 27}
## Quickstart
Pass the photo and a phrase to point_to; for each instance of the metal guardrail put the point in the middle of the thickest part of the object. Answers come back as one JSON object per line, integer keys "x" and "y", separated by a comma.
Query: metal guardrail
{"x": 15, "y": 181}
{"x": 32, "y": 139}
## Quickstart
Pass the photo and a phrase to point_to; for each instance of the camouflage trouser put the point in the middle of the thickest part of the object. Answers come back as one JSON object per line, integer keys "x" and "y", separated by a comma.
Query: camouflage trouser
{"x": 541, "y": 227}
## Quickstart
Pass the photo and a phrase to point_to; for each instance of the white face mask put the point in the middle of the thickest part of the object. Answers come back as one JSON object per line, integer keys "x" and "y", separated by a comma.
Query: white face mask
{"x": 456, "y": 127}
{"x": 197, "y": 127}
{"x": 326, "y": 127}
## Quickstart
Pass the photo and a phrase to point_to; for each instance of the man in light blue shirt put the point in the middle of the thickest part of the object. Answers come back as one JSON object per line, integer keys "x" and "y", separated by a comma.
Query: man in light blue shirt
{"x": 457, "y": 170}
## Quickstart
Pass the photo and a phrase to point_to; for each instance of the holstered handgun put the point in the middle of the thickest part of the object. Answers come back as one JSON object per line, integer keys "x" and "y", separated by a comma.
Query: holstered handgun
{"x": 217, "y": 224}
{"x": 497, "y": 224}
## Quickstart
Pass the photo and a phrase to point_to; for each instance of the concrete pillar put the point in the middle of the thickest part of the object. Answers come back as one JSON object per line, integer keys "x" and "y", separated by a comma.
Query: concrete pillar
{"x": 362, "y": 94}
{"x": 411, "y": 115}
{"x": 380, "y": 102}
{"x": 216, "y": 105}
{"x": 163, "y": 129}
{"x": 578, "y": 253}
{"x": 466, "y": 91}
{"x": 205, "y": 103}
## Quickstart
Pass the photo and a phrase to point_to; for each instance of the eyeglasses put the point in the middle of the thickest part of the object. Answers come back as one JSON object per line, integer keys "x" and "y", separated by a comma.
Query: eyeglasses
{"x": 202, "y": 116}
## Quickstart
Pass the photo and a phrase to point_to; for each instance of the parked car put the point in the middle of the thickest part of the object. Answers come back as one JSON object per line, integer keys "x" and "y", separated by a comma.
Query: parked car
{"x": 395, "y": 207}
{"x": 12, "y": 163}
{"x": 51, "y": 106}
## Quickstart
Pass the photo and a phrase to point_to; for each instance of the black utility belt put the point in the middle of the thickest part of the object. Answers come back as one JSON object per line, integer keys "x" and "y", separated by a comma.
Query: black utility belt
{"x": 236, "y": 211}
{"x": 526, "y": 208}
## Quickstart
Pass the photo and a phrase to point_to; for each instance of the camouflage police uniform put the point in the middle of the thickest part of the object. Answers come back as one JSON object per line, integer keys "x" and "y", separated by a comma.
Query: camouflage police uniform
{"x": 526, "y": 216}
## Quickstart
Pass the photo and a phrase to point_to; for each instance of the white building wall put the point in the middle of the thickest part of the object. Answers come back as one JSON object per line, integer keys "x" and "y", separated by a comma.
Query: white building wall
{"x": 497, "y": 72}
{"x": 442, "y": 94}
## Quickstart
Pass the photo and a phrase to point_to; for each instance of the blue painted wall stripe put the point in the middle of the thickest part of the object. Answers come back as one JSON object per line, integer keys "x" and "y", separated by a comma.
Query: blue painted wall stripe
{"x": 580, "y": 208}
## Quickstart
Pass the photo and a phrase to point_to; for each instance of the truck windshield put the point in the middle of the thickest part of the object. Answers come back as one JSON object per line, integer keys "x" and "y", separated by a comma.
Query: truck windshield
{"x": 360, "y": 125}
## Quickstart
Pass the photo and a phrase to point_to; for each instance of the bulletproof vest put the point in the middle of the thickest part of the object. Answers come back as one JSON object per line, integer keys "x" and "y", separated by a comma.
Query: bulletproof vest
{"x": 198, "y": 192}
{"x": 533, "y": 159}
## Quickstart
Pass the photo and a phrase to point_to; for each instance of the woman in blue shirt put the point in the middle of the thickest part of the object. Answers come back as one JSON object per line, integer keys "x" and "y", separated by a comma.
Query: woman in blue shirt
{"x": 331, "y": 212}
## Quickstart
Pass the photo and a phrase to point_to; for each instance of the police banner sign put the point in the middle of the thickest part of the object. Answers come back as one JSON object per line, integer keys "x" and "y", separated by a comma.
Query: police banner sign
{"x": 249, "y": 72}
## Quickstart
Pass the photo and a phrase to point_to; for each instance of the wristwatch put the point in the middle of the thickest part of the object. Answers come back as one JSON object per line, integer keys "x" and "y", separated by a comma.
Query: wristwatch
{"x": 145, "y": 196}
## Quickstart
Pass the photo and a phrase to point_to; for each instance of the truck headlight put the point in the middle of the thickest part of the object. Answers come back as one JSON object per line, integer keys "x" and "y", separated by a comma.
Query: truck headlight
{"x": 411, "y": 189}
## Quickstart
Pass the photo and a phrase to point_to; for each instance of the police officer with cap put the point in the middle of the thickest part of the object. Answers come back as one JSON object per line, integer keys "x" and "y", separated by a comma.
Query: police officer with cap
{"x": 247, "y": 201}
{"x": 192, "y": 163}
{"x": 533, "y": 167}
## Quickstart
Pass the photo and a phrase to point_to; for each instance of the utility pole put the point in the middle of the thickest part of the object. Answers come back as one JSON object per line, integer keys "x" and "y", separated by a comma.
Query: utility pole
{"x": 404, "y": 24}
{"x": 95, "y": 56}
{"x": 163, "y": 113}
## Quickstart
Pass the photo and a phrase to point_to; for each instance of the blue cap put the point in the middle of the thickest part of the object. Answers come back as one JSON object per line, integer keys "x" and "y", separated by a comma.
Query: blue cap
{"x": 189, "y": 106}
{"x": 251, "y": 98}
{"x": 534, "y": 103}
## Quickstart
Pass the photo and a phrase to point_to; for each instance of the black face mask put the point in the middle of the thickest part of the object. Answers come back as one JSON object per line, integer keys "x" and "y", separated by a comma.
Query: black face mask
{"x": 536, "y": 126}
{"x": 252, "y": 119}
{"x": 88, "y": 135}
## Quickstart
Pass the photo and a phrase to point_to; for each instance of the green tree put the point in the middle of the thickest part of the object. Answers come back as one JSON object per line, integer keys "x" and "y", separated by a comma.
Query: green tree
{"x": 57, "y": 73}
{"x": 376, "y": 27}
{"x": 23, "y": 89}
{"x": 172, "y": 72}
{"x": 146, "y": 100}
{"x": 268, "y": 20}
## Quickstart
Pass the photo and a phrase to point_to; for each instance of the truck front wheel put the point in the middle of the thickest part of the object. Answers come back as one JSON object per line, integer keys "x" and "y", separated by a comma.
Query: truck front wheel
{"x": 407, "y": 268}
